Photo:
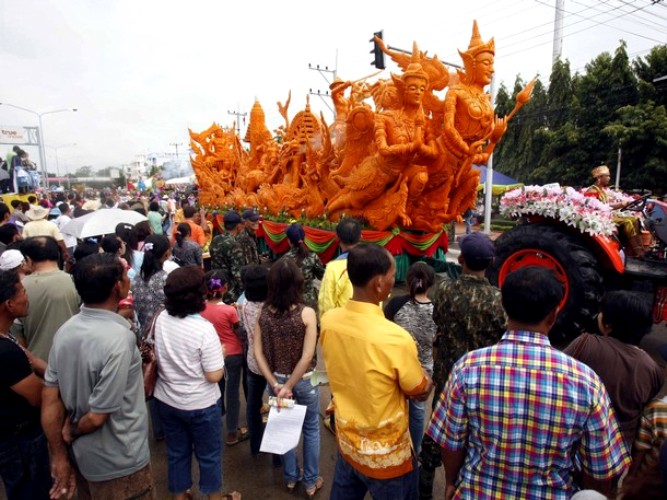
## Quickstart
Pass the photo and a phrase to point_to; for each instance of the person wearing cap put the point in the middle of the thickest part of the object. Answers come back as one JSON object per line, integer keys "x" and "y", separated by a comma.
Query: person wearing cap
{"x": 520, "y": 419}
{"x": 309, "y": 262}
{"x": 227, "y": 255}
{"x": 247, "y": 238}
{"x": 13, "y": 260}
{"x": 39, "y": 226}
{"x": 627, "y": 223}
{"x": 468, "y": 315}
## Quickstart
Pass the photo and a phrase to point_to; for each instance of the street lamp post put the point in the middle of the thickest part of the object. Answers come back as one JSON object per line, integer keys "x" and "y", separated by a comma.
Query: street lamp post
{"x": 56, "y": 148}
{"x": 42, "y": 150}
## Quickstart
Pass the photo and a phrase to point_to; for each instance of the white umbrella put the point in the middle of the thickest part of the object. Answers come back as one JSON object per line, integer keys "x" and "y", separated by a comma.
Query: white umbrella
{"x": 103, "y": 221}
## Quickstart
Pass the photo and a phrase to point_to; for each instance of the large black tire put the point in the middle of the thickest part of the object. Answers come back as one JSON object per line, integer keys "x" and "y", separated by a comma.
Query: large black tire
{"x": 578, "y": 267}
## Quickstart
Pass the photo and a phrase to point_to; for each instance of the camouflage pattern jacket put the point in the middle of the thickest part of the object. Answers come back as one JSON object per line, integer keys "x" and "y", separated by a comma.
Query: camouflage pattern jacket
{"x": 312, "y": 269}
{"x": 248, "y": 243}
{"x": 227, "y": 256}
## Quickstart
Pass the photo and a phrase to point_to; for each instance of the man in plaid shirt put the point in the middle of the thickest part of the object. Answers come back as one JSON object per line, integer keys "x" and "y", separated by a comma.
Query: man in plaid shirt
{"x": 517, "y": 419}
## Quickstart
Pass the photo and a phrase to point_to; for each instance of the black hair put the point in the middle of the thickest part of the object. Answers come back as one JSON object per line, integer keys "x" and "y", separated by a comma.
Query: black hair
{"x": 296, "y": 236}
{"x": 8, "y": 281}
{"x": 215, "y": 281}
{"x": 628, "y": 314}
{"x": 254, "y": 279}
{"x": 530, "y": 293}
{"x": 420, "y": 278}
{"x": 366, "y": 261}
{"x": 41, "y": 249}
{"x": 349, "y": 231}
{"x": 183, "y": 230}
{"x": 15, "y": 203}
{"x": 109, "y": 202}
{"x": 64, "y": 208}
{"x": 285, "y": 285}
{"x": 189, "y": 211}
{"x": 475, "y": 264}
{"x": 110, "y": 244}
{"x": 84, "y": 249}
{"x": 184, "y": 291}
{"x": 154, "y": 249}
{"x": 32, "y": 199}
{"x": 4, "y": 211}
{"x": 154, "y": 206}
{"x": 7, "y": 233}
{"x": 143, "y": 230}
{"x": 95, "y": 277}
{"x": 128, "y": 234}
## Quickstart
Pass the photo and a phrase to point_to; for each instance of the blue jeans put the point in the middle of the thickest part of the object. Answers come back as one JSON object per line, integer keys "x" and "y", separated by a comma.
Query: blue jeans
{"x": 256, "y": 387}
{"x": 158, "y": 431}
{"x": 188, "y": 429}
{"x": 417, "y": 414}
{"x": 229, "y": 387}
{"x": 349, "y": 484}
{"x": 24, "y": 466}
{"x": 309, "y": 396}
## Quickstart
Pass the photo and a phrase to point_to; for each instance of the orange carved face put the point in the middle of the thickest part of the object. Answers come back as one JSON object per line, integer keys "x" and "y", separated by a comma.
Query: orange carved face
{"x": 414, "y": 90}
{"x": 483, "y": 68}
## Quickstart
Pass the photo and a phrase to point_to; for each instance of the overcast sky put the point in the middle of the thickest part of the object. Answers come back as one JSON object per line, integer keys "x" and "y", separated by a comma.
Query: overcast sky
{"x": 141, "y": 72}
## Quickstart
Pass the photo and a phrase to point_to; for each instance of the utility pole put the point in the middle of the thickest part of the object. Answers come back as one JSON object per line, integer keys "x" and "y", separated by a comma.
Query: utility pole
{"x": 558, "y": 31}
{"x": 322, "y": 72}
{"x": 176, "y": 144}
{"x": 238, "y": 116}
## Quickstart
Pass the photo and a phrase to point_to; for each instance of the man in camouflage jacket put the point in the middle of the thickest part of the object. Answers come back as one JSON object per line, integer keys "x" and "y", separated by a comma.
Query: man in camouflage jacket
{"x": 227, "y": 255}
{"x": 469, "y": 315}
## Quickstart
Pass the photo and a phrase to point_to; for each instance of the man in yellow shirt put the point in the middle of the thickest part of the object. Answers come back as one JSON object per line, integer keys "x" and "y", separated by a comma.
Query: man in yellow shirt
{"x": 336, "y": 288}
{"x": 373, "y": 367}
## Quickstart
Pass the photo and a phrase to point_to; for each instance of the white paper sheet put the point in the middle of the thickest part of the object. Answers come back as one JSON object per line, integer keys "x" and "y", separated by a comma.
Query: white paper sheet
{"x": 283, "y": 429}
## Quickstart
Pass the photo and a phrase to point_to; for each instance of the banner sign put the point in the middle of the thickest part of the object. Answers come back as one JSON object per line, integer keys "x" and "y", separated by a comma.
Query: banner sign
{"x": 12, "y": 135}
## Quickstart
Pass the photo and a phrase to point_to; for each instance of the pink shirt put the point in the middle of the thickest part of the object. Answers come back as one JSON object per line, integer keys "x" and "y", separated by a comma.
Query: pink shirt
{"x": 223, "y": 318}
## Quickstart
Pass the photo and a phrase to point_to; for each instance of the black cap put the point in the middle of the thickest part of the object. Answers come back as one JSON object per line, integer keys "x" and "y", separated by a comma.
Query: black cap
{"x": 231, "y": 217}
{"x": 250, "y": 214}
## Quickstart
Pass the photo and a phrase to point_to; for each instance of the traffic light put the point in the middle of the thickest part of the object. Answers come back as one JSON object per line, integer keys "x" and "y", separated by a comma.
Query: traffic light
{"x": 378, "y": 55}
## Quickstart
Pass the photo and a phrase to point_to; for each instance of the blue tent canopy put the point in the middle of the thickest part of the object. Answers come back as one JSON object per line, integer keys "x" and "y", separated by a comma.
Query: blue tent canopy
{"x": 498, "y": 178}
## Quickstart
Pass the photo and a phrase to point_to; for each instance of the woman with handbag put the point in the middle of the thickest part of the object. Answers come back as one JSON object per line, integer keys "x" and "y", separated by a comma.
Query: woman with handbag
{"x": 148, "y": 299}
{"x": 285, "y": 340}
{"x": 190, "y": 365}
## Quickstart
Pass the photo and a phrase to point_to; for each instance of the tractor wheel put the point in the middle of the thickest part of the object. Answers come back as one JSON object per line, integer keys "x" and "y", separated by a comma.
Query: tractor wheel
{"x": 575, "y": 266}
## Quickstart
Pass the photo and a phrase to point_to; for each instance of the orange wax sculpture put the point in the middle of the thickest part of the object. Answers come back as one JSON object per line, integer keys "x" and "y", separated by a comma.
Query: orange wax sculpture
{"x": 405, "y": 161}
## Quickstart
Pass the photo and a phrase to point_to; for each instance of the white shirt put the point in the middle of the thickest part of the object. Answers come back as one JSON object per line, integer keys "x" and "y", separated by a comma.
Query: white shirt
{"x": 70, "y": 241}
{"x": 186, "y": 348}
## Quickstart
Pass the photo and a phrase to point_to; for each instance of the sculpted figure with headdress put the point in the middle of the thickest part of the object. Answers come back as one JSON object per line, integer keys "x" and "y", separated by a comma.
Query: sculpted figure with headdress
{"x": 396, "y": 172}
{"x": 470, "y": 133}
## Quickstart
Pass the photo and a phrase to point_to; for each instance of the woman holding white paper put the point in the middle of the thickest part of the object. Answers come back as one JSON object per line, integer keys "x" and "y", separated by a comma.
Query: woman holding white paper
{"x": 285, "y": 340}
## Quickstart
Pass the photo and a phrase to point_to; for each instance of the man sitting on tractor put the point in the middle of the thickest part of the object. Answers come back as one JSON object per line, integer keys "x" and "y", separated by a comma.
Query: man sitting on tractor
{"x": 628, "y": 224}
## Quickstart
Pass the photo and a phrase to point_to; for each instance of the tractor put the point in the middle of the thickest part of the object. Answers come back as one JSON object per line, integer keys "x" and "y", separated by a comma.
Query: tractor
{"x": 588, "y": 265}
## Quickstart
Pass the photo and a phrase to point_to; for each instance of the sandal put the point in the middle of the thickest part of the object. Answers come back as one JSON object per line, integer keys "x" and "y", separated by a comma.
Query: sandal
{"x": 310, "y": 492}
{"x": 291, "y": 485}
{"x": 241, "y": 434}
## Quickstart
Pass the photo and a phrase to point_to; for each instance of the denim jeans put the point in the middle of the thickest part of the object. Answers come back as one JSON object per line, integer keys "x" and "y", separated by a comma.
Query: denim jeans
{"x": 188, "y": 429}
{"x": 24, "y": 466}
{"x": 349, "y": 484}
{"x": 417, "y": 414}
{"x": 256, "y": 388}
{"x": 158, "y": 431}
{"x": 230, "y": 390}
{"x": 309, "y": 396}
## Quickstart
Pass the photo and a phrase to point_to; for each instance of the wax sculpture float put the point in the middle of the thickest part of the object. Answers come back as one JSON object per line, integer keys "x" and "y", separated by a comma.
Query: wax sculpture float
{"x": 396, "y": 155}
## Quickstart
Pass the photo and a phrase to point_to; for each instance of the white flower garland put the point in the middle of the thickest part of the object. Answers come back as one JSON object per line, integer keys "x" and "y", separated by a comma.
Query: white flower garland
{"x": 567, "y": 205}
